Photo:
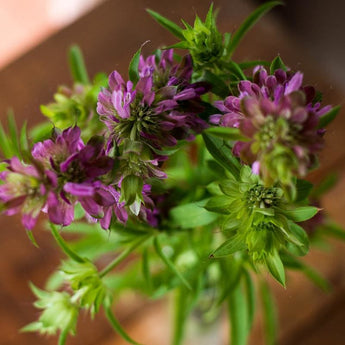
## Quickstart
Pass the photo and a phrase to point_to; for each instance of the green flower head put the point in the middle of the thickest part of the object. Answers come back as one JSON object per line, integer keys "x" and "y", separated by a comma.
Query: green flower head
{"x": 88, "y": 287}
{"x": 59, "y": 312}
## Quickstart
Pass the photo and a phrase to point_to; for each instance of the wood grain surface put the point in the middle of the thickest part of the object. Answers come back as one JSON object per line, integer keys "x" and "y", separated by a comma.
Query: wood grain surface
{"x": 109, "y": 36}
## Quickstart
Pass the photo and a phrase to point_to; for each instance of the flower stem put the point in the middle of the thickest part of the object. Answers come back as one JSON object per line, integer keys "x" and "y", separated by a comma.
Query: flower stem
{"x": 63, "y": 245}
{"x": 63, "y": 337}
{"x": 123, "y": 255}
{"x": 117, "y": 327}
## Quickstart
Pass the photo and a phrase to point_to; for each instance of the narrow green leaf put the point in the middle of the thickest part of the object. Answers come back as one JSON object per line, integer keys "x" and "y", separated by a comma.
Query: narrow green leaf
{"x": 170, "y": 264}
{"x": 325, "y": 185}
{"x": 249, "y": 22}
{"x": 229, "y": 247}
{"x": 218, "y": 85}
{"x": 117, "y": 327}
{"x": 133, "y": 70}
{"x": 300, "y": 214}
{"x": 167, "y": 24}
{"x": 181, "y": 311}
{"x": 219, "y": 204}
{"x": 32, "y": 238}
{"x": 146, "y": 270}
{"x": 77, "y": 65}
{"x": 222, "y": 154}
{"x": 269, "y": 314}
{"x": 226, "y": 133}
{"x": 293, "y": 263}
{"x": 41, "y": 131}
{"x": 238, "y": 317}
{"x": 12, "y": 127}
{"x": 250, "y": 64}
{"x": 236, "y": 70}
{"x": 5, "y": 144}
{"x": 300, "y": 236}
{"x": 327, "y": 118}
{"x": 23, "y": 140}
{"x": 250, "y": 296}
{"x": 192, "y": 215}
{"x": 333, "y": 230}
{"x": 276, "y": 267}
{"x": 277, "y": 63}
{"x": 303, "y": 189}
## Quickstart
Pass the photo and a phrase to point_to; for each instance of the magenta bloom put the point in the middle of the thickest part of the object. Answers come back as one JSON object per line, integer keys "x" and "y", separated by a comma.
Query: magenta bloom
{"x": 159, "y": 110}
{"x": 276, "y": 115}
{"x": 23, "y": 191}
{"x": 76, "y": 170}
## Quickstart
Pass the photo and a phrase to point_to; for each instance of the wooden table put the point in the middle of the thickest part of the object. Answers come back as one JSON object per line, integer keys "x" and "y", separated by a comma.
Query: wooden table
{"x": 109, "y": 36}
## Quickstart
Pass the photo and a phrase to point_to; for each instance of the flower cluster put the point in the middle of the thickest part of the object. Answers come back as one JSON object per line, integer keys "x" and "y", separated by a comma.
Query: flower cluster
{"x": 188, "y": 145}
{"x": 280, "y": 122}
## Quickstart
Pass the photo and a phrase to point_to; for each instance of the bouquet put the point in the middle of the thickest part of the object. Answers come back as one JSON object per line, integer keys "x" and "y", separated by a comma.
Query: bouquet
{"x": 185, "y": 179}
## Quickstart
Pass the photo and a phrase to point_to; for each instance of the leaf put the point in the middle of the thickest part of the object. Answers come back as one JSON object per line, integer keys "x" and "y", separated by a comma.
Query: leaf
{"x": 250, "y": 64}
{"x": 236, "y": 70}
{"x": 5, "y": 144}
{"x": 303, "y": 189}
{"x": 32, "y": 238}
{"x": 301, "y": 236}
{"x": 131, "y": 186}
{"x": 332, "y": 230}
{"x": 277, "y": 63}
{"x": 300, "y": 214}
{"x": 167, "y": 24}
{"x": 192, "y": 215}
{"x": 276, "y": 267}
{"x": 13, "y": 133}
{"x": 269, "y": 314}
{"x": 238, "y": 316}
{"x": 325, "y": 185}
{"x": 219, "y": 87}
{"x": 117, "y": 327}
{"x": 327, "y": 118}
{"x": 249, "y": 22}
{"x": 219, "y": 204}
{"x": 23, "y": 140}
{"x": 293, "y": 263}
{"x": 181, "y": 311}
{"x": 229, "y": 247}
{"x": 170, "y": 264}
{"x": 146, "y": 270}
{"x": 77, "y": 65}
{"x": 133, "y": 69}
{"x": 226, "y": 133}
{"x": 41, "y": 131}
{"x": 250, "y": 296}
{"x": 222, "y": 154}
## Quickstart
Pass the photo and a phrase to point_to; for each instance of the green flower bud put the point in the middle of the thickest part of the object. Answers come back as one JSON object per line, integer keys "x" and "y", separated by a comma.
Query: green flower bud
{"x": 89, "y": 289}
{"x": 60, "y": 313}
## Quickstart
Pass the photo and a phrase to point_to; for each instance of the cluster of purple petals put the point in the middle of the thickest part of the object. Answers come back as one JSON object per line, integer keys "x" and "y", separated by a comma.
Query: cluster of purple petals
{"x": 164, "y": 94}
{"x": 64, "y": 171}
{"x": 280, "y": 95}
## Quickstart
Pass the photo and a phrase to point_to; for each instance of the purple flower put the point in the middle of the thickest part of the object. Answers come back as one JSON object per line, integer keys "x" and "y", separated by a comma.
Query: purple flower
{"x": 276, "y": 115}
{"x": 23, "y": 191}
{"x": 77, "y": 170}
{"x": 159, "y": 110}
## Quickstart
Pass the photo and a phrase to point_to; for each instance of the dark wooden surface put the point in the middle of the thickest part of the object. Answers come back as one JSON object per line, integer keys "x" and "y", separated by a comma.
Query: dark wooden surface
{"x": 109, "y": 36}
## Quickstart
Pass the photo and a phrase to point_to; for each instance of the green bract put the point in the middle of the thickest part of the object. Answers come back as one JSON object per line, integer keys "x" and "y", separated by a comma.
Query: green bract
{"x": 256, "y": 219}
{"x": 59, "y": 312}
{"x": 88, "y": 287}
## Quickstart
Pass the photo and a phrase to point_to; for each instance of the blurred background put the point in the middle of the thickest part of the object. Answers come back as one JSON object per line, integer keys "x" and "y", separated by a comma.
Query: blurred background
{"x": 35, "y": 36}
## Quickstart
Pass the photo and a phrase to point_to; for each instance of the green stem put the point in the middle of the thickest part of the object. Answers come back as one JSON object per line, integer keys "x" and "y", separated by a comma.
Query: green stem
{"x": 117, "y": 327}
{"x": 63, "y": 337}
{"x": 123, "y": 255}
{"x": 63, "y": 245}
